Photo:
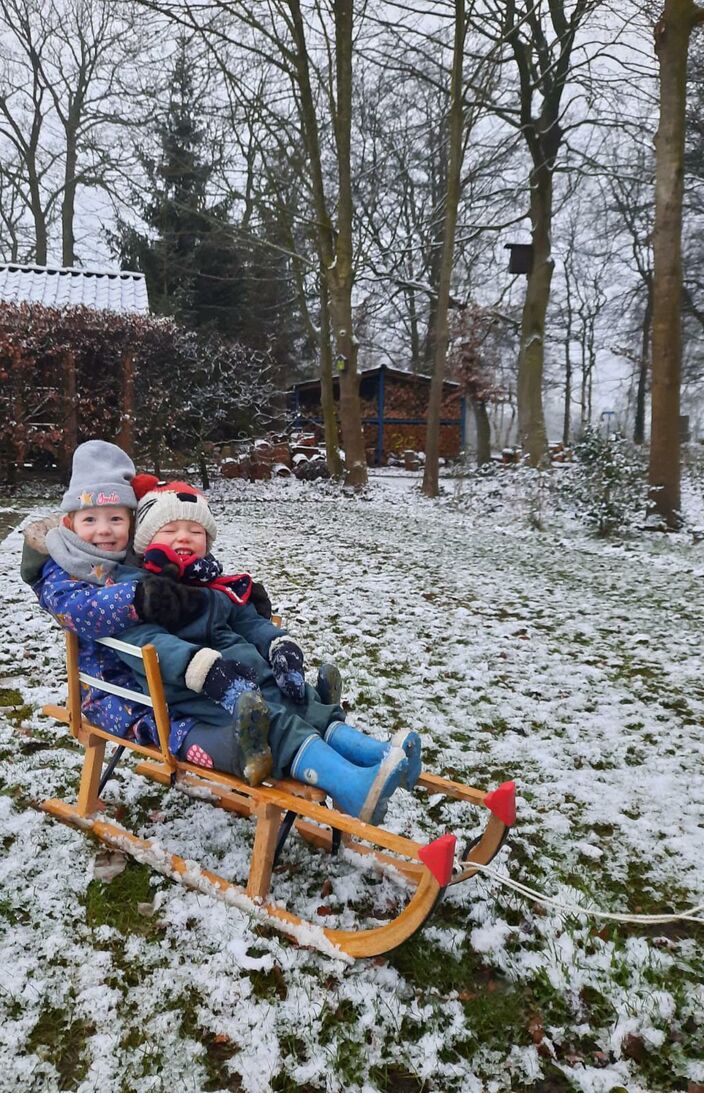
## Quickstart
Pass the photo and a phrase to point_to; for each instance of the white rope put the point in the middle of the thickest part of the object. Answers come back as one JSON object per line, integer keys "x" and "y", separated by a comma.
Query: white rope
{"x": 576, "y": 909}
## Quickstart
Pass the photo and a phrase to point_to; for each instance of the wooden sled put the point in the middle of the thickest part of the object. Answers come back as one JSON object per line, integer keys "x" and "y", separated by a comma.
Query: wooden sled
{"x": 277, "y": 806}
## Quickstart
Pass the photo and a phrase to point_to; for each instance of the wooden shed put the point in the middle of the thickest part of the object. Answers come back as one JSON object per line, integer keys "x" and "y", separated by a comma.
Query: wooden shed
{"x": 394, "y": 407}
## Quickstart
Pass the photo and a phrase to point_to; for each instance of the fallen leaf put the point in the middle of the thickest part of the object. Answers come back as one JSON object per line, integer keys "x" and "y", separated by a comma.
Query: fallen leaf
{"x": 633, "y": 1047}
{"x": 221, "y": 1039}
{"x": 108, "y": 864}
{"x": 467, "y": 996}
{"x": 327, "y": 887}
{"x": 325, "y": 909}
{"x": 536, "y": 1029}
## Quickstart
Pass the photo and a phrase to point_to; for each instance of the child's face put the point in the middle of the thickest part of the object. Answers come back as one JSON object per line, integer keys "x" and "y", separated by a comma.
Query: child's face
{"x": 185, "y": 537}
{"x": 105, "y": 526}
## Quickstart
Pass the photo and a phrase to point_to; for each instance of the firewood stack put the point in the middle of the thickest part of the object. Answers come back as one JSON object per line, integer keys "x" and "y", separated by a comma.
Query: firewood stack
{"x": 278, "y": 457}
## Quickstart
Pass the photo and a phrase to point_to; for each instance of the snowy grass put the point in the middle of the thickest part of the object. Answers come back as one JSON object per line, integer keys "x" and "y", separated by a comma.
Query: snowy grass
{"x": 570, "y": 664}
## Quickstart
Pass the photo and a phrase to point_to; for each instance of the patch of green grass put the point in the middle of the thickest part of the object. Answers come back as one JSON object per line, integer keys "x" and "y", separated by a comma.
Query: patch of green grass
{"x": 344, "y": 1014}
{"x": 392, "y": 1078}
{"x": 218, "y": 1050}
{"x": 61, "y": 1039}
{"x": 115, "y": 903}
{"x": 13, "y": 915}
{"x": 270, "y": 984}
{"x": 10, "y": 697}
{"x": 282, "y": 1081}
{"x": 497, "y": 724}
{"x": 18, "y": 710}
{"x": 427, "y": 967}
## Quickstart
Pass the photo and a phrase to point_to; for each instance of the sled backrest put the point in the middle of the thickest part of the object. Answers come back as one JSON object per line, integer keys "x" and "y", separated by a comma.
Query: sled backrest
{"x": 154, "y": 699}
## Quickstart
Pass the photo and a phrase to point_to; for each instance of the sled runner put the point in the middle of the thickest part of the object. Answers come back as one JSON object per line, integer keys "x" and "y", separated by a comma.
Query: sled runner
{"x": 277, "y": 807}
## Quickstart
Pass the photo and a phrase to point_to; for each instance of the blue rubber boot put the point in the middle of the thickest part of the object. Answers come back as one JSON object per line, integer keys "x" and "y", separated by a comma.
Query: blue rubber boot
{"x": 362, "y": 792}
{"x": 366, "y": 751}
{"x": 329, "y": 684}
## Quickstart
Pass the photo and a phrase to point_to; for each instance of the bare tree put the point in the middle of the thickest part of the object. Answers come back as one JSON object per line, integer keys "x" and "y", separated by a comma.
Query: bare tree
{"x": 672, "y": 34}
{"x": 452, "y": 197}
{"x": 62, "y": 68}
{"x": 540, "y": 40}
{"x": 314, "y": 58}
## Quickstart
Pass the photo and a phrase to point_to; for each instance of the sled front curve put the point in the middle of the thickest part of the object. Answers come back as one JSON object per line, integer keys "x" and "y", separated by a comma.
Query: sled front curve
{"x": 428, "y": 868}
{"x": 363, "y": 943}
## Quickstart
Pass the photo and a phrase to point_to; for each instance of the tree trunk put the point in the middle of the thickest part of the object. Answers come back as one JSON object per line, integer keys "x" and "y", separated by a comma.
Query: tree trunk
{"x": 672, "y": 33}
{"x": 639, "y": 425}
{"x": 414, "y": 333}
{"x": 335, "y": 247}
{"x": 68, "y": 202}
{"x": 531, "y": 423}
{"x": 452, "y": 197}
{"x": 350, "y": 410}
{"x": 567, "y": 415}
{"x": 327, "y": 396}
{"x": 125, "y": 437}
{"x": 481, "y": 419}
{"x": 41, "y": 234}
{"x": 70, "y": 438}
{"x": 203, "y": 469}
{"x": 568, "y": 400}
{"x": 342, "y": 274}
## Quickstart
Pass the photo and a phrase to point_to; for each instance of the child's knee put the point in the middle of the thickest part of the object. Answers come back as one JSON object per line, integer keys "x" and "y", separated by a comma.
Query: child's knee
{"x": 197, "y": 755}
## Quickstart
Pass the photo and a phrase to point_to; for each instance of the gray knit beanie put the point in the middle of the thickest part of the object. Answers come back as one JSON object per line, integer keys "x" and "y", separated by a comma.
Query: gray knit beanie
{"x": 101, "y": 474}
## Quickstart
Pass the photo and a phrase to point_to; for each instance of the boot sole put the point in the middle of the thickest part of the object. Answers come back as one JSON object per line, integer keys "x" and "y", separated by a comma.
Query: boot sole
{"x": 391, "y": 774}
{"x": 410, "y": 742}
{"x": 252, "y": 723}
{"x": 329, "y": 685}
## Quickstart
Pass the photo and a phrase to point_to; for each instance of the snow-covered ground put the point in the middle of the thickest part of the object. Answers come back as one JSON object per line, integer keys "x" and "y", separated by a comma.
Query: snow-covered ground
{"x": 568, "y": 663}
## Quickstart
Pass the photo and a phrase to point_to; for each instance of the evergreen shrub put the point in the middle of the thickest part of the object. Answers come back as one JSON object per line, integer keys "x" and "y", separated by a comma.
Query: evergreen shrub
{"x": 607, "y": 483}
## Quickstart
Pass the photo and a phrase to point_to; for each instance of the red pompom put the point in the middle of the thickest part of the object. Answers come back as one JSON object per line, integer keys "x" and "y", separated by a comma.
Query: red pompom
{"x": 143, "y": 483}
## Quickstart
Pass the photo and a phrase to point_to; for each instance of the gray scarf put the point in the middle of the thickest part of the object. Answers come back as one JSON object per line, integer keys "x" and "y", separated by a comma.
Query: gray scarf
{"x": 80, "y": 559}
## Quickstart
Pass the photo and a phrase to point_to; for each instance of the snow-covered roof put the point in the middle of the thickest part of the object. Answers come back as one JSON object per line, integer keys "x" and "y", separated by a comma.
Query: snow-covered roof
{"x": 54, "y": 287}
{"x": 399, "y": 373}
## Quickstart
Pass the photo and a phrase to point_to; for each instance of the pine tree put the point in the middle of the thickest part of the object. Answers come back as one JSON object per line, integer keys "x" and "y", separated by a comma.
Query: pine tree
{"x": 190, "y": 261}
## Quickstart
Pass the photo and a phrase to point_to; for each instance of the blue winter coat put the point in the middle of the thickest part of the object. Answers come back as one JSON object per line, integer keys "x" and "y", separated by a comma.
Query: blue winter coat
{"x": 236, "y": 631}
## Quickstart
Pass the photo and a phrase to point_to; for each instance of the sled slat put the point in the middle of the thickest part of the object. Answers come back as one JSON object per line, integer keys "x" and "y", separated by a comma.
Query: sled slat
{"x": 88, "y": 800}
{"x": 451, "y": 789}
{"x": 268, "y": 824}
{"x": 367, "y": 943}
{"x": 115, "y": 689}
{"x": 74, "y": 687}
{"x": 61, "y": 714}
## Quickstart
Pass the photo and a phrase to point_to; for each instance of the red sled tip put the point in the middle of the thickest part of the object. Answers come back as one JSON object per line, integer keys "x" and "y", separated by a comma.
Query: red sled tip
{"x": 439, "y": 856}
{"x": 502, "y": 803}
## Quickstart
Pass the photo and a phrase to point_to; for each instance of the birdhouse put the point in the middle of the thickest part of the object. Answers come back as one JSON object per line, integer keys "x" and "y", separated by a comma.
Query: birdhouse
{"x": 520, "y": 259}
